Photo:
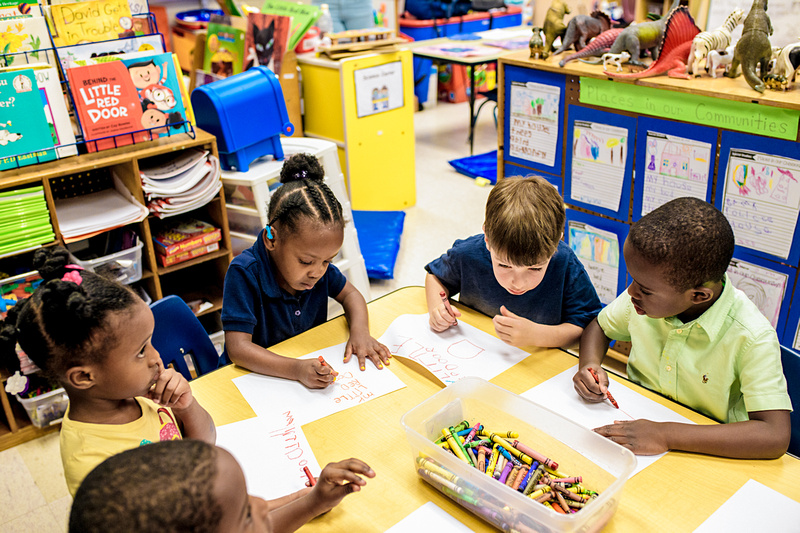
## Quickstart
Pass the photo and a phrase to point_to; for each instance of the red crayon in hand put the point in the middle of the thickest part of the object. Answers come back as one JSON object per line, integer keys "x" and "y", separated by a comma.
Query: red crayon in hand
{"x": 608, "y": 392}
{"x": 323, "y": 363}
{"x": 443, "y": 296}
{"x": 311, "y": 479}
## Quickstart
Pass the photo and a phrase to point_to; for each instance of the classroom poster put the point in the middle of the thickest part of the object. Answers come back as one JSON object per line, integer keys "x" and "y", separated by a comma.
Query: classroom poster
{"x": 598, "y": 251}
{"x": 761, "y": 199}
{"x": 675, "y": 167}
{"x": 379, "y": 88}
{"x": 765, "y": 287}
{"x": 598, "y": 163}
{"x": 534, "y": 122}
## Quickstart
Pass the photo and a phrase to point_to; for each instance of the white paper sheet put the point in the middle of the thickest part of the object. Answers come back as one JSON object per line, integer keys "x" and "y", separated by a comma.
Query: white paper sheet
{"x": 534, "y": 122}
{"x": 272, "y": 451}
{"x": 558, "y": 394}
{"x": 765, "y": 287}
{"x": 429, "y": 517}
{"x": 739, "y": 512}
{"x": 267, "y": 395}
{"x": 598, "y": 252}
{"x": 599, "y": 152}
{"x": 459, "y": 351}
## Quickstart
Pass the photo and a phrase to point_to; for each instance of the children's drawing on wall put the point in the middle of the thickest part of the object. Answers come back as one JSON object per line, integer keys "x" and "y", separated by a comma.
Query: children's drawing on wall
{"x": 676, "y": 167}
{"x": 764, "y": 287}
{"x": 761, "y": 199}
{"x": 598, "y": 163}
{"x": 534, "y": 122}
{"x": 598, "y": 251}
{"x": 379, "y": 89}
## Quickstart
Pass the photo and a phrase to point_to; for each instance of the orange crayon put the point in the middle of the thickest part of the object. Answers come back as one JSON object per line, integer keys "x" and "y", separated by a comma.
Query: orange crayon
{"x": 608, "y": 392}
{"x": 324, "y": 363}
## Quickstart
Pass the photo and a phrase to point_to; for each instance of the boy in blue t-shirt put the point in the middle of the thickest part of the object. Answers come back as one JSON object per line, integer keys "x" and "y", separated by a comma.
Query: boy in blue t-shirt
{"x": 518, "y": 271}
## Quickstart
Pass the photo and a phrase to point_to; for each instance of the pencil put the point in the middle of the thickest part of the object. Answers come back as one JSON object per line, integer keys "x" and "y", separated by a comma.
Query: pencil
{"x": 443, "y": 296}
{"x": 608, "y": 392}
{"x": 311, "y": 479}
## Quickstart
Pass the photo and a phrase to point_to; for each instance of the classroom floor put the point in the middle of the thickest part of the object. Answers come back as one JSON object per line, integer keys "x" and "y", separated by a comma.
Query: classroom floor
{"x": 33, "y": 494}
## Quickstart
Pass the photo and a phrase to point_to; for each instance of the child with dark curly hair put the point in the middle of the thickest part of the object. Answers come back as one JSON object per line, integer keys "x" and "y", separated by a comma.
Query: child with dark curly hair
{"x": 92, "y": 335}
{"x": 280, "y": 286}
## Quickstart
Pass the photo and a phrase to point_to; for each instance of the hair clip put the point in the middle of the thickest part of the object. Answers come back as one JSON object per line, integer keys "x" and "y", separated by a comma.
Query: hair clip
{"x": 269, "y": 232}
{"x": 17, "y": 384}
{"x": 72, "y": 276}
{"x": 302, "y": 174}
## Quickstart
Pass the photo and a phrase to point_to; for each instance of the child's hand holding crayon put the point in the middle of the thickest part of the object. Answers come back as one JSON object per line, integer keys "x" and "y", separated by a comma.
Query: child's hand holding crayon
{"x": 444, "y": 315}
{"x": 336, "y": 481}
{"x": 315, "y": 373}
{"x": 591, "y": 383}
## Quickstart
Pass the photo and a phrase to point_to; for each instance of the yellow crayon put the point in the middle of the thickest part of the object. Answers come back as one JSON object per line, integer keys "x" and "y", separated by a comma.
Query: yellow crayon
{"x": 482, "y": 459}
{"x": 433, "y": 467}
{"x": 539, "y": 492}
{"x": 453, "y": 446}
{"x": 497, "y": 439}
{"x": 492, "y": 461}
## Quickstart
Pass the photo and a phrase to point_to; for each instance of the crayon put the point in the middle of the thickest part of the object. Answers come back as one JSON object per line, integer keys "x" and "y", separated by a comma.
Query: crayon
{"x": 310, "y": 477}
{"x": 576, "y": 505}
{"x": 608, "y": 392}
{"x": 500, "y": 441}
{"x": 427, "y": 474}
{"x": 451, "y": 440}
{"x": 472, "y": 456}
{"x": 520, "y": 476}
{"x": 498, "y": 469}
{"x": 460, "y": 447}
{"x": 458, "y": 427}
{"x": 562, "y": 502}
{"x": 546, "y": 497}
{"x": 534, "y": 479}
{"x": 447, "y": 306}
{"x": 472, "y": 432}
{"x": 531, "y": 470}
{"x": 507, "y": 469}
{"x": 574, "y": 479}
{"x": 476, "y": 443}
{"x": 324, "y": 363}
{"x": 509, "y": 457}
{"x": 492, "y": 461}
{"x": 428, "y": 464}
{"x": 536, "y": 455}
{"x": 507, "y": 435}
{"x": 481, "y": 459}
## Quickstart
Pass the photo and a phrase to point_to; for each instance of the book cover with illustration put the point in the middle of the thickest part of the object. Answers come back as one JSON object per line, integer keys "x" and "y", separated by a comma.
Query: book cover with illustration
{"x": 24, "y": 40}
{"x": 144, "y": 43}
{"x": 137, "y": 7}
{"x": 24, "y": 130}
{"x": 93, "y": 21}
{"x": 303, "y": 17}
{"x": 15, "y": 8}
{"x": 139, "y": 95}
{"x": 265, "y": 40}
{"x": 224, "y": 53}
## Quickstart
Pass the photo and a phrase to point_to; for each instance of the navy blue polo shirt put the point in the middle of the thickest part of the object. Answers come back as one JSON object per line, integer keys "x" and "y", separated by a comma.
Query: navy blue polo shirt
{"x": 566, "y": 293}
{"x": 252, "y": 301}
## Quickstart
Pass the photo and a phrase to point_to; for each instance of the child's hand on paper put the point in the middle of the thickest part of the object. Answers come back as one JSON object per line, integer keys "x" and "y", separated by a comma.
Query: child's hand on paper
{"x": 363, "y": 346}
{"x": 313, "y": 374}
{"x": 586, "y": 386}
{"x": 336, "y": 481}
{"x": 440, "y": 317}
{"x": 513, "y": 329}
{"x": 642, "y": 437}
{"x": 170, "y": 389}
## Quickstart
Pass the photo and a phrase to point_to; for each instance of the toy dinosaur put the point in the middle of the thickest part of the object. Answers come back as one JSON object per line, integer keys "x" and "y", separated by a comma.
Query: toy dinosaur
{"x": 643, "y": 36}
{"x": 554, "y": 26}
{"x": 753, "y": 48}
{"x": 536, "y": 44}
{"x": 596, "y": 47}
{"x": 581, "y": 28}
{"x": 678, "y": 34}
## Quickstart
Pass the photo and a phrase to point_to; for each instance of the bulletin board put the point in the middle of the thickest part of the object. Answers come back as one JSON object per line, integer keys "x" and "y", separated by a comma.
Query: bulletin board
{"x": 791, "y": 333}
{"x": 534, "y": 111}
{"x": 599, "y": 165}
{"x": 758, "y": 190}
{"x": 673, "y": 160}
{"x": 510, "y": 169}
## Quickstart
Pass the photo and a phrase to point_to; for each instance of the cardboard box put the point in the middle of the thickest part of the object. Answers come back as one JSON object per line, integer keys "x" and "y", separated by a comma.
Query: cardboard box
{"x": 184, "y": 235}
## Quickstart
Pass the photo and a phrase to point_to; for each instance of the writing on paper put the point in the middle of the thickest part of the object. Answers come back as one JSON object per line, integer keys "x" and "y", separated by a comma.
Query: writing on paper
{"x": 351, "y": 388}
{"x": 292, "y": 449}
{"x": 533, "y": 125}
{"x": 599, "y": 153}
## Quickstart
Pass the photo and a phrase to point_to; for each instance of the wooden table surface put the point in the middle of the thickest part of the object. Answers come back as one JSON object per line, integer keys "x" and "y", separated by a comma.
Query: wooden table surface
{"x": 677, "y": 493}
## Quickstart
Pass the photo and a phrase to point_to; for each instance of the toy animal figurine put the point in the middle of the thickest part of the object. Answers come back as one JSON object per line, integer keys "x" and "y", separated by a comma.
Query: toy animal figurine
{"x": 616, "y": 60}
{"x": 554, "y": 26}
{"x": 536, "y": 44}
{"x": 596, "y": 47}
{"x": 678, "y": 34}
{"x": 717, "y": 59}
{"x": 643, "y": 36}
{"x": 788, "y": 61}
{"x": 776, "y": 82}
{"x": 581, "y": 28}
{"x": 718, "y": 39}
{"x": 754, "y": 47}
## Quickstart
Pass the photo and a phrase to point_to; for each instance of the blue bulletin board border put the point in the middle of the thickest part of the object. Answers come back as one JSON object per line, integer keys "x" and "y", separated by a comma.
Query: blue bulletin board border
{"x": 776, "y": 147}
{"x": 510, "y": 169}
{"x": 613, "y": 226}
{"x": 792, "y": 321}
{"x": 524, "y": 75}
{"x": 678, "y": 129}
{"x": 578, "y": 113}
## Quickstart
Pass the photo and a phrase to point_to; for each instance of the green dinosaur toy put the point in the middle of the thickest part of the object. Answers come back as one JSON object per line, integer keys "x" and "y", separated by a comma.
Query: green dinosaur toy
{"x": 754, "y": 48}
{"x": 643, "y": 36}
{"x": 554, "y": 25}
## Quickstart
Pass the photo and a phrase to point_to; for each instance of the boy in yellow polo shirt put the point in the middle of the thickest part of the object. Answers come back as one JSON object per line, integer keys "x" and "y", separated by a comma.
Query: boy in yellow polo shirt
{"x": 695, "y": 338}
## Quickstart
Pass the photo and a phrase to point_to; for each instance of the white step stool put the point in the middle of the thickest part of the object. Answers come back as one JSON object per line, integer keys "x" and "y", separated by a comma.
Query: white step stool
{"x": 247, "y": 196}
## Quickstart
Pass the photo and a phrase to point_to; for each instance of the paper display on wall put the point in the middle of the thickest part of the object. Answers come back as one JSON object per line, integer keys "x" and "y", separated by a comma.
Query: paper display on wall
{"x": 598, "y": 251}
{"x": 674, "y": 168}
{"x": 761, "y": 200}
{"x": 534, "y": 122}
{"x": 379, "y": 88}
{"x": 763, "y": 286}
{"x": 598, "y": 164}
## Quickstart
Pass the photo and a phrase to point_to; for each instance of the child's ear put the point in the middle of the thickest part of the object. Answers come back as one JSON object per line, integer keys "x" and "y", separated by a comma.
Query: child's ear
{"x": 269, "y": 238}
{"x": 702, "y": 295}
{"x": 80, "y": 377}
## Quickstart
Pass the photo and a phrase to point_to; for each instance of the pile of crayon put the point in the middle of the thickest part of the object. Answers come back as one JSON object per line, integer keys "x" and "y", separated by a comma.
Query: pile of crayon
{"x": 509, "y": 462}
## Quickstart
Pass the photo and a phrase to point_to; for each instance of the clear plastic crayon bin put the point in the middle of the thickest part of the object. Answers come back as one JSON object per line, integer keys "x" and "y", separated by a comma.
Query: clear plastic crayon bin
{"x": 604, "y": 466}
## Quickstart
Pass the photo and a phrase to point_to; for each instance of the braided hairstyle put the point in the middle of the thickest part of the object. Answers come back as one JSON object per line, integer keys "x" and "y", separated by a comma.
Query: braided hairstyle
{"x": 62, "y": 324}
{"x": 303, "y": 195}
{"x": 164, "y": 486}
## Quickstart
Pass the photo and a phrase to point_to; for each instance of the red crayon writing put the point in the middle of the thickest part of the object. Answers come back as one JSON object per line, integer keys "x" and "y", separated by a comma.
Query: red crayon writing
{"x": 608, "y": 392}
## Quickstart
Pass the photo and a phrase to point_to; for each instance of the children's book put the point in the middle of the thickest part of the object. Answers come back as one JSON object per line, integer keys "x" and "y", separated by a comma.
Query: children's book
{"x": 24, "y": 40}
{"x": 24, "y": 130}
{"x": 144, "y": 43}
{"x": 137, "y": 7}
{"x": 93, "y": 21}
{"x": 224, "y": 53}
{"x": 184, "y": 235}
{"x": 15, "y": 8}
{"x": 303, "y": 17}
{"x": 265, "y": 40}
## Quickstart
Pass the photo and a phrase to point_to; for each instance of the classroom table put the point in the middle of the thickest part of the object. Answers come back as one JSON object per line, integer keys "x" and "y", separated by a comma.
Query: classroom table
{"x": 677, "y": 493}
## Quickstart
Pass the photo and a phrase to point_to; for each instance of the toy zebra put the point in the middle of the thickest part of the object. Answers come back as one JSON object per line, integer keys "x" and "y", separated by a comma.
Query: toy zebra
{"x": 706, "y": 41}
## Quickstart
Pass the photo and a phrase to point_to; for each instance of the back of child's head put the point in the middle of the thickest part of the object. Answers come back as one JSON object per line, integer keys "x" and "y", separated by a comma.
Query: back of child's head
{"x": 164, "y": 486}
{"x": 524, "y": 220}
{"x": 303, "y": 195}
{"x": 691, "y": 238}
{"x": 62, "y": 324}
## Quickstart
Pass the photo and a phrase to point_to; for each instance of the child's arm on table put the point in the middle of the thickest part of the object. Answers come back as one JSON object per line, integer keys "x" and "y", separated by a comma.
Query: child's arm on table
{"x": 594, "y": 345}
{"x": 440, "y": 317}
{"x": 518, "y": 331}
{"x": 173, "y": 391}
{"x": 360, "y": 343}
{"x": 336, "y": 481}
{"x": 244, "y": 352}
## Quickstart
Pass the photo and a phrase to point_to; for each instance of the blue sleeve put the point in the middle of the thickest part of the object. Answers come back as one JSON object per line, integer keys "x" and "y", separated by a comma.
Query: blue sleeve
{"x": 448, "y": 270}
{"x": 335, "y": 281}
{"x": 581, "y": 303}
{"x": 239, "y": 300}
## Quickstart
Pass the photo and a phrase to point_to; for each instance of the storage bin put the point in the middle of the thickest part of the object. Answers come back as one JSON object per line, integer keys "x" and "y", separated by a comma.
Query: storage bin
{"x": 124, "y": 266}
{"x": 605, "y": 466}
{"x": 46, "y": 409}
{"x": 420, "y": 30}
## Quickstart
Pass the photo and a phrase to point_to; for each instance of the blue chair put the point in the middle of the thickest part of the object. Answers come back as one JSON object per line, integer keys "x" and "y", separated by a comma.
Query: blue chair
{"x": 178, "y": 332}
{"x": 791, "y": 369}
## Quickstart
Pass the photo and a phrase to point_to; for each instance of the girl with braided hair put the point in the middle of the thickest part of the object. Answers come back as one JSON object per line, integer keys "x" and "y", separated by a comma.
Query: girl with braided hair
{"x": 280, "y": 286}
{"x": 92, "y": 335}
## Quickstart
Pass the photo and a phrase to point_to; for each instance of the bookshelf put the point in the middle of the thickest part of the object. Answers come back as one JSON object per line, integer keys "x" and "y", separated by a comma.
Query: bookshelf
{"x": 204, "y": 275}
